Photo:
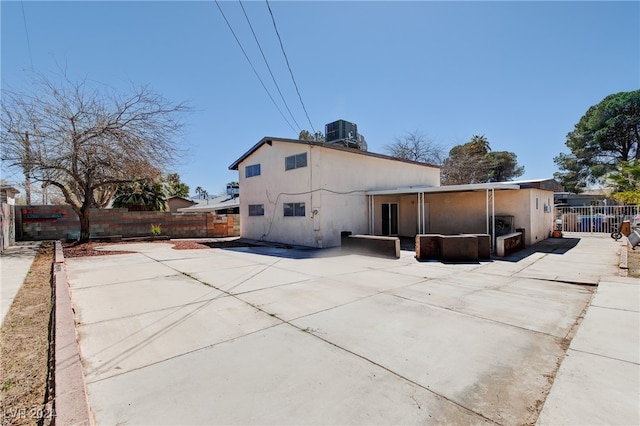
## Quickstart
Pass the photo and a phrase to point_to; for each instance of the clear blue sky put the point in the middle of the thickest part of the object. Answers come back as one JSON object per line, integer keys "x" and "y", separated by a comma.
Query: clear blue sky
{"x": 520, "y": 73}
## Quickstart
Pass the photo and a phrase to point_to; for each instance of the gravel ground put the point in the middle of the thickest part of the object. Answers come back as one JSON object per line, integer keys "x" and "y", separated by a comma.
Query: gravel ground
{"x": 88, "y": 249}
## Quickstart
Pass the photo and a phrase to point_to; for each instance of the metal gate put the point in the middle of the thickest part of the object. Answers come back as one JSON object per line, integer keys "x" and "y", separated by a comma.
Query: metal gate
{"x": 605, "y": 219}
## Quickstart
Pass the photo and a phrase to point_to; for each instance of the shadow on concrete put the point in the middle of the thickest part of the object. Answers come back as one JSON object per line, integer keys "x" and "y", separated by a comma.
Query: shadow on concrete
{"x": 550, "y": 245}
{"x": 289, "y": 252}
{"x": 275, "y": 249}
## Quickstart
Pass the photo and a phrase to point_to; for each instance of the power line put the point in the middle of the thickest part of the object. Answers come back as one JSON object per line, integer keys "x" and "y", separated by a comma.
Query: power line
{"x": 289, "y": 66}
{"x": 252, "y": 67}
{"x": 267, "y": 64}
{"x": 24, "y": 19}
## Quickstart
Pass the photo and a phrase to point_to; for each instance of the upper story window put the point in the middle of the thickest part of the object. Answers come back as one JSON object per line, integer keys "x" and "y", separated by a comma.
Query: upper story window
{"x": 252, "y": 170}
{"x": 295, "y": 161}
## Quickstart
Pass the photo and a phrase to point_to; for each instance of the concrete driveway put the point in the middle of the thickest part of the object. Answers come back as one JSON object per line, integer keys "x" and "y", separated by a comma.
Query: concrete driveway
{"x": 277, "y": 336}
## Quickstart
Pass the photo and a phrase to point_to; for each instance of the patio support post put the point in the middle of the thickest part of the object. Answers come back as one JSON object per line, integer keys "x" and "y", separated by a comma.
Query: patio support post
{"x": 493, "y": 215}
{"x": 491, "y": 195}
{"x": 421, "y": 213}
{"x": 371, "y": 214}
{"x": 486, "y": 193}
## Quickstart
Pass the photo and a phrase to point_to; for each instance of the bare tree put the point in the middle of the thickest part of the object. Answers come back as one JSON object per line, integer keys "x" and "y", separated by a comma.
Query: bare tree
{"x": 85, "y": 141}
{"x": 417, "y": 147}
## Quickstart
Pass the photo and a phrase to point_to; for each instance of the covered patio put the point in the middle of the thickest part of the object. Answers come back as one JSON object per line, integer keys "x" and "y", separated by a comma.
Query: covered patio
{"x": 490, "y": 208}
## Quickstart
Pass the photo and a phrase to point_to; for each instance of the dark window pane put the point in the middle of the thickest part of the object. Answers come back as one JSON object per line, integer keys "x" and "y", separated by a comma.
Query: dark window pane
{"x": 290, "y": 162}
{"x": 301, "y": 160}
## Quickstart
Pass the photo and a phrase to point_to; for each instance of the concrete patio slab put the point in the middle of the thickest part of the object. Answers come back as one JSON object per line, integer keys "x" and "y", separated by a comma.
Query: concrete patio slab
{"x": 105, "y": 302}
{"x": 277, "y": 376}
{"x": 124, "y": 344}
{"x": 623, "y": 293}
{"x": 270, "y": 277}
{"x": 590, "y": 389}
{"x": 319, "y": 267}
{"x": 117, "y": 268}
{"x": 300, "y": 299}
{"x": 468, "y": 360}
{"x": 380, "y": 280}
{"x": 544, "y": 315}
{"x": 611, "y": 333}
{"x": 274, "y": 343}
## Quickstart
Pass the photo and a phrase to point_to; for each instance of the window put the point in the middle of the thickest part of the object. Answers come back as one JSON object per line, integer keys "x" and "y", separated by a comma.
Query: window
{"x": 295, "y": 161}
{"x": 253, "y": 170}
{"x": 294, "y": 209}
{"x": 256, "y": 209}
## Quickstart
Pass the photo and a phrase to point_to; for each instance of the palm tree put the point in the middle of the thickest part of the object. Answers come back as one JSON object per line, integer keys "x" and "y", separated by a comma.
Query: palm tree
{"x": 141, "y": 196}
{"x": 202, "y": 193}
{"x": 480, "y": 143}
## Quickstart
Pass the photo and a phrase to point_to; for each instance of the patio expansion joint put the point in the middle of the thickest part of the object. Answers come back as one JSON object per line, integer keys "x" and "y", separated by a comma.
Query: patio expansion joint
{"x": 611, "y": 308}
{"x": 626, "y": 361}
{"x": 203, "y": 348}
{"x": 118, "y": 283}
{"x": 477, "y": 316}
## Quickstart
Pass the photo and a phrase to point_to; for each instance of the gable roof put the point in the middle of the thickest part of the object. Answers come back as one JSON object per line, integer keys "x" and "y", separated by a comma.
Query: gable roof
{"x": 270, "y": 140}
{"x": 177, "y": 197}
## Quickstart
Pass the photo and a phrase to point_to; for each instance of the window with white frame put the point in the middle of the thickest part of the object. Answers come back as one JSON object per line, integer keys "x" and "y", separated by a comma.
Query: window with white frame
{"x": 256, "y": 209}
{"x": 295, "y": 161}
{"x": 294, "y": 209}
{"x": 252, "y": 170}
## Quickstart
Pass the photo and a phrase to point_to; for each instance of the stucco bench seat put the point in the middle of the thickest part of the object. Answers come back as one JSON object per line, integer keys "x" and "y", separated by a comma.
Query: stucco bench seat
{"x": 453, "y": 248}
{"x": 375, "y": 245}
{"x": 509, "y": 243}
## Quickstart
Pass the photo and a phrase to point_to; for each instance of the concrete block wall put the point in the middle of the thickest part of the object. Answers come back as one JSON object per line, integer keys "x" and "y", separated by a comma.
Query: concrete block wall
{"x": 61, "y": 222}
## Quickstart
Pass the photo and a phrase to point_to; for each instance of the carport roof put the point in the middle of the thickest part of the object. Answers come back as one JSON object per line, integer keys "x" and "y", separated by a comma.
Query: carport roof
{"x": 447, "y": 188}
{"x": 546, "y": 184}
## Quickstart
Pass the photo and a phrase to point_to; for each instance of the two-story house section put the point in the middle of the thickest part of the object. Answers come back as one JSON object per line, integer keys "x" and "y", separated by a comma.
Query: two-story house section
{"x": 306, "y": 193}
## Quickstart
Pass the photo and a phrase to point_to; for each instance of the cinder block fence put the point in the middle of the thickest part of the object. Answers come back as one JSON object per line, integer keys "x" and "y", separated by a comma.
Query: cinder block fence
{"x": 61, "y": 222}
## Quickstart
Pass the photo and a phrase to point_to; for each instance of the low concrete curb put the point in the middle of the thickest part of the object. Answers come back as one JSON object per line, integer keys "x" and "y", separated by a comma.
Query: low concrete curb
{"x": 71, "y": 405}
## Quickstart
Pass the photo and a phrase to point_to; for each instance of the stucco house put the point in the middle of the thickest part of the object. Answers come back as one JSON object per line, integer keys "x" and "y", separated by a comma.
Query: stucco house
{"x": 307, "y": 193}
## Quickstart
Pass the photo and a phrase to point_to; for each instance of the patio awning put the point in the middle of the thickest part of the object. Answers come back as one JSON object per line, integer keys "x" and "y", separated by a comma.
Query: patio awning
{"x": 441, "y": 189}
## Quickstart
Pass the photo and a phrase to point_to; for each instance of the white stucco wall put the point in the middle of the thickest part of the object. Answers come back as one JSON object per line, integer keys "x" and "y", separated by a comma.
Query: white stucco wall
{"x": 333, "y": 184}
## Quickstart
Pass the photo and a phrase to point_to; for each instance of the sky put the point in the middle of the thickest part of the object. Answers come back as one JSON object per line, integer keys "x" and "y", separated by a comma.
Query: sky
{"x": 520, "y": 73}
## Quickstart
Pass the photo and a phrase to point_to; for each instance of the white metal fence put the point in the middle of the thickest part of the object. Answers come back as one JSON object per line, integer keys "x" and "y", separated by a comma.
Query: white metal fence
{"x": 604, "y": 219}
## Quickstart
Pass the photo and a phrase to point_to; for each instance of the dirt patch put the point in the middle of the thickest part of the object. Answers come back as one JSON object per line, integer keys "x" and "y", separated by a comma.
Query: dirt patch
{"x": 89, "y": 249}
{"x": 633, "y": 261}
{"x": 26, "y": 394}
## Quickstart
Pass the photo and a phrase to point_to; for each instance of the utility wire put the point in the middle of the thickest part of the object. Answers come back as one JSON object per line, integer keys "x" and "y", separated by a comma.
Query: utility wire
{"x": 267, "y": 64}
{"x": 252, "y": 67}
{"x": 289, "y": 66}
{"x": 24, "y": 19}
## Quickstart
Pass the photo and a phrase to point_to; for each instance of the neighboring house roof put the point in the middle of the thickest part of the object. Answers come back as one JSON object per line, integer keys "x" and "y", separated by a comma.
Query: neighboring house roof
{"x": 549, "y": 184}
{"x": 218, "y": 203}
{"x": 270, "y": 140}
{"x": 10, "y": 190}
{"x": 176, "y": 197}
